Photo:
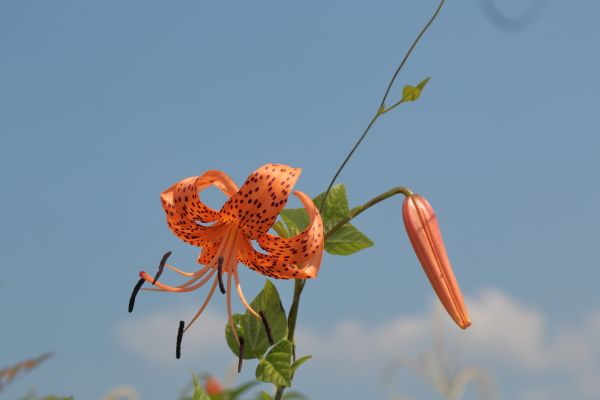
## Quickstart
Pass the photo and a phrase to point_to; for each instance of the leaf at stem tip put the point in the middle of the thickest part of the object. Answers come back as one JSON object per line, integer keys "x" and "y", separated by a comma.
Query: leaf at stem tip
{"x": 299, "y": 362}
{"x": 276, "y": 367}
{"x": 412, "y": 93}
{"x": 265, "y": 396}
{"x": 256, "y": 342}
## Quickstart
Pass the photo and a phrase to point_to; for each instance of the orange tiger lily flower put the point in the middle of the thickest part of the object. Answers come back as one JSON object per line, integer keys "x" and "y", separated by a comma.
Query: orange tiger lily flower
{"x": 225, "y": 236}
{"x": 423, "y": 231}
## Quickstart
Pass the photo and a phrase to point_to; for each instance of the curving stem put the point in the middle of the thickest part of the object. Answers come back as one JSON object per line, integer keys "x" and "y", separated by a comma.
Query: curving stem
{"x": 299, "y": 283}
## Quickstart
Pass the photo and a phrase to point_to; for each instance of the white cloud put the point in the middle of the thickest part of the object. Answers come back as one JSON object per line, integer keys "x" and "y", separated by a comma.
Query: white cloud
{"x": 507, "y": 337}
{"x": 532, "y": 359}
{"x": 503, "y": 330}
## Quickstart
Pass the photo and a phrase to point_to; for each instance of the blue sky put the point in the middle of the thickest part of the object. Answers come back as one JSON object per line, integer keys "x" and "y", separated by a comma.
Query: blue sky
{"x": 105, "y": 104}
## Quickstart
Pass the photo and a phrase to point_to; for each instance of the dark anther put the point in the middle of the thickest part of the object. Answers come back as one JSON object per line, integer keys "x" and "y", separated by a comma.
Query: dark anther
{"x": 241, "y": 357}
{"x": 179, "y": 337}
{"x": 161, "y": 266}
{"x": 220, "y": 274}
{"x": 263, "y": 317}
{"x": 136, "y": 289}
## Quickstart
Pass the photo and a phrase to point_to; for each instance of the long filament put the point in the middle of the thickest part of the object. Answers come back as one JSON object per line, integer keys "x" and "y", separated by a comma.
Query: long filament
{"x": 229, "y": 316}
{"x": 206, "y": 300}
{"x": 197, "y": 275}
{"x": 184, "y": 273}
{"x": 241, "y": 294}
{"x": 166, "y": 288}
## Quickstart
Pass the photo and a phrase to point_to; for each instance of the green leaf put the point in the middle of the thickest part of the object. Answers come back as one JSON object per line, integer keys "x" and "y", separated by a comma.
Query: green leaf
{"x": 336, "y": 205}
{"x": 265, "y": 396}
{"x": 252, "y": 329}
{"x": 295, "y": 220}
{"x": 347, "y": 240}
{"x": 199, "y": 393}
{"x": 281, "y": 229}
{"x": 276, "y": 366}
{"x": 412, "y": 93}
{"x": 299, "y": 362}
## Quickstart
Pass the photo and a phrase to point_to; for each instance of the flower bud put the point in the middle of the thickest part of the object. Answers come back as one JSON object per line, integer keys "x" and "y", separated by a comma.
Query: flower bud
{"x": 212, "y": 386}
{"x": 424, "y": 234}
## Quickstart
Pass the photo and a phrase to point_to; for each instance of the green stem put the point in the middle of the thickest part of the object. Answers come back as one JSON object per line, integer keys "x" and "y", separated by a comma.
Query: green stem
{"x": 299, "y": 283}
{"x": 292, "y": 317}
{"x": 293, "y": 314}
{"x": 360, "y": 209}
{"x": 390, "y": 108}
{"x": 382, "y": 109}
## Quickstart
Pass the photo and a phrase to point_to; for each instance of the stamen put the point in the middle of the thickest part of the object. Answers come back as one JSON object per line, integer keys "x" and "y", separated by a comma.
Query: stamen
{"x": 241, "y": 294}
{"x": 220, "y": 274}
{"x": 180, "y": 272}
{"x": 196, "y": 275}
{"x": 136, "y": 289}
{"x": 161, "y": 266}
{"x": 179, "y": 337}
{"x": 210, "y": 293}
{"x": 263, "y": 317}
{"x": 241, "y": 358}
{"x": 229, "y": 313}
{"x": 166, "y": 288}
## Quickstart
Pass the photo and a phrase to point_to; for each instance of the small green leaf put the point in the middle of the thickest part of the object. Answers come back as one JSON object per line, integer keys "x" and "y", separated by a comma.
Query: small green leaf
{"x": 299, "y": 362}
{"x": 276, "y": 366}
{"x": 412, "y": 93}
{"x": 199, "y": 393}
{"x": 347, "y": 240}
{"x": 265, "y": 396}
{"x": 252, "y": 329}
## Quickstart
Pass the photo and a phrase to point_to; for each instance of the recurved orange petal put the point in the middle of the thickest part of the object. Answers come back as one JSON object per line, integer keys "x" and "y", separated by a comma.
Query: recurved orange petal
{"x": 298, "y": 249}
{"x": 260, "y": 199}
{"x": 184, "y": 209}
{"x": 197, "y": 235}
{"x": 271, "y": 266}
{"x": 181, "y": 201}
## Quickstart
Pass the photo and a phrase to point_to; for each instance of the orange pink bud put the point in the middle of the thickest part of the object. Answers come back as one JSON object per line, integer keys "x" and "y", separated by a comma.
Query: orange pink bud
{"x": 426, "y": 239}
{"x": 212, "y": 386}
